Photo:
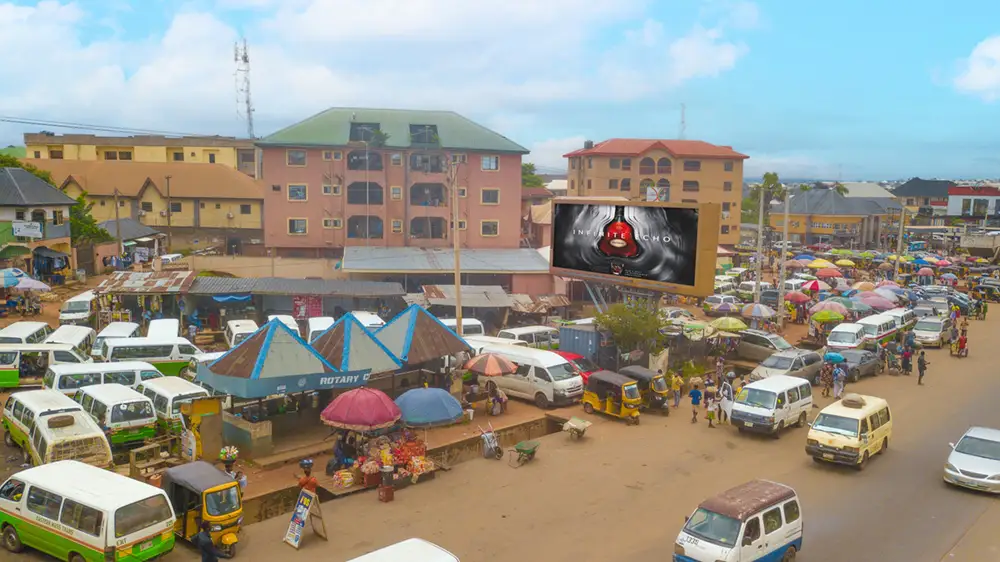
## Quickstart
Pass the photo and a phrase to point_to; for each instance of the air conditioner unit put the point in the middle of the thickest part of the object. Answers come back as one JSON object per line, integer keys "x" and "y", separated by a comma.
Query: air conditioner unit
{"x": 142, "y": 213}
{"x": 163, "y": 213}
{"x": 229, "y": 215}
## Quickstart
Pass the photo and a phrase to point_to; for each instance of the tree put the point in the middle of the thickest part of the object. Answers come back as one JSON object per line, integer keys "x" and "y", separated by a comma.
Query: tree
{"x": 633, "y": 327}
{"x": 840, "y": 188}
{"x": 529, "y": 177}
{"x": 748, "y": 211}
{"x": 8, "y": 161}
{"x": 772, "y": 189}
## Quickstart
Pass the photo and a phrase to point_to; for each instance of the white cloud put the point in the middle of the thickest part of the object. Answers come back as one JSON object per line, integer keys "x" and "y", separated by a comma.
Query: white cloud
{"x": 502, "y": 62}
{"x": 549, "y": 153}
{"x": 980, "y": 73}
{"x": 789, "y": 166}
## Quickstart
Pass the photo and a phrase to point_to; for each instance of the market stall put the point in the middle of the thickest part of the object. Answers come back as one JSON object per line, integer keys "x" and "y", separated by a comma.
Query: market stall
{"x": 131, "y": 296}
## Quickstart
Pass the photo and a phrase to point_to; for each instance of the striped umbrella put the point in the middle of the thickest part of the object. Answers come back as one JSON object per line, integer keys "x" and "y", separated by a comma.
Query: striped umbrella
{"x": 757, "y": 311}
{"x": 490, "y": 365}
{"x": 727, "y": 308}
{"x": 728, "y": 324}
{"x": 816, "y": 285}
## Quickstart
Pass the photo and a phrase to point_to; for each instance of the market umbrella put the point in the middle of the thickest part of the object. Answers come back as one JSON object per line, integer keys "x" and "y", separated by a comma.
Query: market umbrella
{"x": 797, "y": 297}
{"x": 921, "y": 261}
{"x": 863, "y": 286}
{"x": 727, "y": 308}
{"x": 29, "y": 284}
{"x": 887, "y": 293}
{"x": 361, "y": 409}
{"x": 429, "y": 407}
{"x": 943, "y": 263}
{"x": 833, "y": 357}
{"x": 845, "y": 263}
{"x": 794, "y": 264}
{"x": 490, "y": 365}
{"x": 850, "y": 304}
{"x": 820, "y": 264}
{"x": 804, "y": 257}
{"x": 825, "y": 316}
{"x": 828, "y": 273}
{"x": 815, "y": 285}
{"x": 757, "y": 311}
{"x": 949, "y": 276}
{"x": 8, "y": 279}
{"x": 887, "y": 283}
{"x": 885, "y": 266}
{"x": 925, "y": 271}
{"x": 877, "y": 302}
{"x": 830, "y": 306}
{"x": 728, "y": 324}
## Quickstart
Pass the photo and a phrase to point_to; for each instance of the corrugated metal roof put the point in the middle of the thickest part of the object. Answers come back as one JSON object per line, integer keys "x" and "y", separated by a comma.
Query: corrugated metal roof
{"x": 130, "y": 228}
{"x": 536, "y": 304}
{"x": 416, "y": 298}
{"x": 151, "y": 282}
{"x": 281, "y": 286}
{"x": 474, "y": 296}
{"x": 221, "y": 286}
{"x": 422, "y": 260}
{"x": 21, "y": 188}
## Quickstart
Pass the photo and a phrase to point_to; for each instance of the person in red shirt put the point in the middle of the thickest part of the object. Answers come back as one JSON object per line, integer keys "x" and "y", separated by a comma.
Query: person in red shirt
{"x": 962, "y": 341}
{"x": 307, "y": 481}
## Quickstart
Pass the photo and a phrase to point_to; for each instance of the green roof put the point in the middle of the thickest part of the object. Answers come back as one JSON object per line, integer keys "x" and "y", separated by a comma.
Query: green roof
{"x": 15, "y": 151}
{"x": 333, "y": 128}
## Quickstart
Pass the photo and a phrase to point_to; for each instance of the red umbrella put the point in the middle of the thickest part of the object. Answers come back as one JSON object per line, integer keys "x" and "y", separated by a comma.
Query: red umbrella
{"x": 828, "y": 273}
{"x": 797, "y": 297}
{"x": 361, "y": 409}
{"x": 490, "y": 365}
{"x": 925, "y": 271}
{"x": 815, "y": 285}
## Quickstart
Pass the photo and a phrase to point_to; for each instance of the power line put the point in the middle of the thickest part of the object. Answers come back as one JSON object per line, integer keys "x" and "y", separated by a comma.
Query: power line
{"x": 91, "y": 127}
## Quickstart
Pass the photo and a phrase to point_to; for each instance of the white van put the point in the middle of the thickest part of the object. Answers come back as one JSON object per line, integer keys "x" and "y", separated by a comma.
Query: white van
{"x": 49, "y": 426}
{"x": 904, "y": 317}
{"x": 794, "y": 284}
{"x": 542, "y": 337}
{"x": 80, "y": 309}
{"x": 167, "y": 394}
{"x": 288, "y": 321}
{"x": 72, "y": 499}
{"x": 25, "y": 332}
{"x": 126, "y": 416}
{"x": 170, "y": 356}
{"x": 70, "y": 377}
{"x": 318, "y": 325}
{"x": 164, "y": 328}
{"x": 879, "y": 329}
{"x": 238, "y": 330}
{"x": 758, "y": 520}
{"x": 368, "y": 320}
{"x": 470, "y": 326}
{"x": 410, "y": 550}
{"x": 542, "y": 376}
{"x": 772, "y": 404}
{"x": 846, "y": 336}
{"x": 25, "y": 364}
{"x": 113, "y": 330}
{"x": 479, "y": 341}
{"x": 82, "y": 338}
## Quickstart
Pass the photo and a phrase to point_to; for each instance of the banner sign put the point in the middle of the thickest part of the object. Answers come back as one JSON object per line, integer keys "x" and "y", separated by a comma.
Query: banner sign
{"x": 306, "y": 509}
{"x": 306, "y": 306}
{"x": 27, "y": 229}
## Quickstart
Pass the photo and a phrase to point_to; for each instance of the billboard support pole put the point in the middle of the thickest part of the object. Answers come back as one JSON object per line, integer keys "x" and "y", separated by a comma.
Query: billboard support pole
{"x": 899, "y": 242}
{"x": 457, "y": 249}
{"x": 760, "y": 246}
{"x": 781, "y": 268}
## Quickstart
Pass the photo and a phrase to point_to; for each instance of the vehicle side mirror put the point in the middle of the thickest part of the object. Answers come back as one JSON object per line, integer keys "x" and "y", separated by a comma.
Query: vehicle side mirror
{"x": 686, "y": 518}
{"x": 952, "y": 445}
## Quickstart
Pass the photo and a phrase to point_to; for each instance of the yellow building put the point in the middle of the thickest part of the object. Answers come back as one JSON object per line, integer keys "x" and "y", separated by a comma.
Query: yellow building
{"x": 676, "y": 171}
{"x": 822, "y": 215}
{"x": 210, "y": 205}
{"x": 228, "y": 151}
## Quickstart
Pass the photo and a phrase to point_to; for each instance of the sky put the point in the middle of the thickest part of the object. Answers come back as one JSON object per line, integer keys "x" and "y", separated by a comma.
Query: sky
{"x": 845, "y": 90}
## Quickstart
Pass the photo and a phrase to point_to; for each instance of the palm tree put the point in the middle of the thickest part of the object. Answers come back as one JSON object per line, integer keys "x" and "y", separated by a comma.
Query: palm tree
{"x": 840, "y": 189}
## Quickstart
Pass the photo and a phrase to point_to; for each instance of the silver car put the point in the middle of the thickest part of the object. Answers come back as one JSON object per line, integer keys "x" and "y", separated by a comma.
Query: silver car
{"x": 793, "y": 362}
{"x": 932, "y": 332}
{"x": 974, "y": 461}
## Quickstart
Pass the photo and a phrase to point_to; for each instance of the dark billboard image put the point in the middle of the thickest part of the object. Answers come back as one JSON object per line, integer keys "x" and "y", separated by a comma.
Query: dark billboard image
{"x": 644, "y": 244}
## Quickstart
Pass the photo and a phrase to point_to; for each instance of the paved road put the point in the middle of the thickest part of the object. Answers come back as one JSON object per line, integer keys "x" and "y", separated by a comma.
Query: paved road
{"x": 622, "y": 492}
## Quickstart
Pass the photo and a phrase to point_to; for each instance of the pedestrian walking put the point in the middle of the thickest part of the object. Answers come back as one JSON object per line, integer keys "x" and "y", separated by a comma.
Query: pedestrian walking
{"x": 921, "y": 368}
{"x": 203, "y": 541}
{"x": 676, "y": 384}
{"x": 839, "y": 378}
{"x": 907, "y": 361}
{"x": 710, "y": 397}
{"x": 695, "y": 395}
{"x": 826, "y": 377}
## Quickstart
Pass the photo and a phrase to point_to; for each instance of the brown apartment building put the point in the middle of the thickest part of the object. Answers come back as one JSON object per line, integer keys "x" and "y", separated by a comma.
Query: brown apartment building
{"x": 676, "y": 171}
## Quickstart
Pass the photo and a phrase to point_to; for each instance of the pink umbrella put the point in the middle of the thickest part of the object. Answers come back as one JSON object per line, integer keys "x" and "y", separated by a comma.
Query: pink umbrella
{"x": 794, "y": 264}
{"x": 797, "y": 297}
{"x": 877, "y": 302}
{"x": 829, "y": 305}
{"x": 361, "y": 409}
{"x": 815, "y": 285}
{"x": 866, "y": 294}
{"x": 925, "y": 271}
{"x": 887, "y": 283}
{"x": 828, "y": 273}
{"x": 943, "y": 263}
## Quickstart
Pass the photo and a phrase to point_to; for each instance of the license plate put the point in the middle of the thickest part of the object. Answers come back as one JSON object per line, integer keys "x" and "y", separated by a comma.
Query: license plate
{"x": 828, "y": 456}
{"x": 747, "y": 424}
{"x": 972, "y": 484}
{"x": 146, "y": 546}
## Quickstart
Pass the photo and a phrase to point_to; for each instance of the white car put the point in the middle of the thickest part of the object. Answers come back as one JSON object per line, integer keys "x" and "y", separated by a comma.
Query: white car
{"x": 974, "y": 461}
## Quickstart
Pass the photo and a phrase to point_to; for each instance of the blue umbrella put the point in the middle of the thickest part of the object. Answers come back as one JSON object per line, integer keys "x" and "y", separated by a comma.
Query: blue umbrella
{"x": 429, "y": 407}
{"x": 833, "y": 358}
{"x": 920, "y": 261}
{"x": 8, "y": 278}
{"x": 803, "y": 257}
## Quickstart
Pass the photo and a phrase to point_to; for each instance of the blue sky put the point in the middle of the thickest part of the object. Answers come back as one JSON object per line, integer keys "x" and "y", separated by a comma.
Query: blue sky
{"x": 849, "y": 90}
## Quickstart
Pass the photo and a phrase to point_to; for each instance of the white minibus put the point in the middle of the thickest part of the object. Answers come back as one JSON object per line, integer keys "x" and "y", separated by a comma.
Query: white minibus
{"x": 542, "y": 337}
{"x": 49, "y": 426}
{"x": 542, "y": 376}
{"x": 167, "y": 394}
{"x": 319, "y": 324}
{"x": 238, "y": 330}
{"x": 111, "y": 331}
{"x": 368, "y": 320}
{"x": 82, "y": 338}
{"x": 170, "y": 355}
{"x": 25, "y": 332}
{"x": 470, "y": 326}
{"x": 68, "y": 378}
{"x": 288, "y": 321}
{"x": 80, "y": 309}
{"x": 164, "y": 328}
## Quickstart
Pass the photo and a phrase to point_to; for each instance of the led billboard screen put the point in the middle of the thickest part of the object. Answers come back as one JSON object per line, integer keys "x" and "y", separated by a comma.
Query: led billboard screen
{"x": 651, "y": 245}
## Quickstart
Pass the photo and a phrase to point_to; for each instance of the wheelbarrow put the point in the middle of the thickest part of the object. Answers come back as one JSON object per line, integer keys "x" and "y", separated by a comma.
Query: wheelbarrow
{"x": 576, "y": 427}
{"x": 522, "y": 453}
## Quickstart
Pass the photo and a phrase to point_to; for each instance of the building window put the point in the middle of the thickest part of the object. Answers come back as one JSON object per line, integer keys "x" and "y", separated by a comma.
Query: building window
{"x": 725, "y": 229}
{"x": 127, "y": 155}
{"x": 175, "y": 207}
{"x": 337, "y": 223}
{"x": 245, "y": 209}
{"x": 396, "y": 193}
{"x": 690, "y": 185}
{"x": 121, "y": 202}
{"x": 327, "y": 189}
{"x": 217, "y": 206}
{"x": 57, "y": 218}
{"x": 613, "y": 184}
{"x": 725, "y": 207}
{"x": 490, "y": 197}
{"x": 38, "y": 154}
{"x": 589, "y": 185}
{"x": 397, "y": 226}
{"x": 338, "y": 155}
{"x": 396, "y": 159}
{"x": 275, "y": 187}
{"x": 727, "y": 186}
{"x": 211, "y": 158}
{"x": 364, "y": 132}
{"x": 590, "y": 162}
{"x": 103, "y": 202}
{"x": 647, "y": 166}
{"x": 626, "y": 164}
{"x": 459, "y": 159}
{"x": 201, "y": 205}
{"x": 491, "y": 163}
{"x": 626, "y": 185}
{"x": 297, "y": 192}
{"x": 489, "y": 228}
{"x": 572, "y": 185}
{"x": 56, "y": 154}
{"x": 113, "y": 155}
{"x": 572, "y": 163}
{"x": 463, "y": 192}
{"x": 728, "y": 166}
{"x": 298, "y": 226}
{"x": 327, "y": 223}
{"x": 616, "y": 163}
{"x": 20, "y": 214}
{"x": 327, "y": 155}
{"x": 337, "y": 190}
{"x": 178, "y": 156}
{"x": 146, "y": 206}
{"x": 663, "y": 166}
{"x": 295, "y": 157}
{"x": 692, "y": 165}
{"x": 461, "y": 225}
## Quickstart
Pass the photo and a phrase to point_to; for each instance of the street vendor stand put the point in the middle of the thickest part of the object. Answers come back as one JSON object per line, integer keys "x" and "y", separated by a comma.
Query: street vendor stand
{"x": 126, "y": 296}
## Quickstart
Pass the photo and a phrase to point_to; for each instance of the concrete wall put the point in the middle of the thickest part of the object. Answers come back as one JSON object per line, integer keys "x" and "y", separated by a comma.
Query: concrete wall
{"x": 252, "y": 439}
{"x": 246, "y": 266}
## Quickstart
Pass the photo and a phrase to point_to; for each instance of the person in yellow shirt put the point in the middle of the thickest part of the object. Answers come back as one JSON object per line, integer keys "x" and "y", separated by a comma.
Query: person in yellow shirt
{"x": 676, "y": 384}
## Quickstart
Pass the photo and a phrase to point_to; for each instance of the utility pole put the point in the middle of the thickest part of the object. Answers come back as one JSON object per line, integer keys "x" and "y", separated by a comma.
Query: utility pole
{"x": 118, "y": 227}
{"x": 781, "y": 268}
{"x": 760, "y": 246}
{"x": 170, "y": 238}
{"x": 899, "y": 242}
{"x": 683, "y": 130}
{"x": 455, "y": 245}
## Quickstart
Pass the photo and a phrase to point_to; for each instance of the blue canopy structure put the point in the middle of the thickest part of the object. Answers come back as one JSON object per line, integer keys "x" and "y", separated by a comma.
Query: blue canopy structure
{"x": 349, "y": 346}
{"x": 416, "y": 336}
{"x": 275, "y": 360}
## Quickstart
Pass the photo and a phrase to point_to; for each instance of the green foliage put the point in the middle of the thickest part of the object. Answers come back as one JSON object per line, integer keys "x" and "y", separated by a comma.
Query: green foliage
{"x": 8, "y": 161}
{"x": 379, "y": 138}
{"x": 82, "y": 225}
{"x": 529, "y": 177}
{"x": 772, "y": 189}
{"x": 748, "y": 212}
{"x": 633, "y": 327}
{"x": 840, "y": 188}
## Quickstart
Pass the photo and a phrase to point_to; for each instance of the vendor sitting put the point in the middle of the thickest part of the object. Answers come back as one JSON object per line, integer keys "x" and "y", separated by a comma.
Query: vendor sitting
{"x": 497, "y": 399}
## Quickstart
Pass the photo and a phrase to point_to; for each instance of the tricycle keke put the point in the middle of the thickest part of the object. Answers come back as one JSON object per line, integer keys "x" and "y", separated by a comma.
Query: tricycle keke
{"x": 200, "y": 492}
{"x": 613, "y": 394}
{"x": 653, "y": 388}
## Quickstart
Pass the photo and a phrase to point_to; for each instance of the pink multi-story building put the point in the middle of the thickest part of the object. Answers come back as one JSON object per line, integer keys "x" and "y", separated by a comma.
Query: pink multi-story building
{"x": 375, "y": 186}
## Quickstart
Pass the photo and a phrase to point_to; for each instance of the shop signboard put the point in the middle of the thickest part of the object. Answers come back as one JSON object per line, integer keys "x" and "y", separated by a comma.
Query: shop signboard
{"x": 27, "y": 229}
{"x": 306, "y": 306}
{"x": 648, "y": 245}
{"x": 306, "y": 510}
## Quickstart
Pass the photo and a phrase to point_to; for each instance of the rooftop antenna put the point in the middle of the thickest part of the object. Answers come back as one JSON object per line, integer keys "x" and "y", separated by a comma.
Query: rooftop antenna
{"x": 683, "y": 121}
{"x": 244, "y": 101}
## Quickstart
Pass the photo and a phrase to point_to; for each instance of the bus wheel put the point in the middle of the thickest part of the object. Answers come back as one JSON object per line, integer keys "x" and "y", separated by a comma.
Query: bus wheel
{"x": 76, "y": 558}
{"x": 26, "y": 457}
{"x": 11, "y": 541}
{"x": 8, "y": 440}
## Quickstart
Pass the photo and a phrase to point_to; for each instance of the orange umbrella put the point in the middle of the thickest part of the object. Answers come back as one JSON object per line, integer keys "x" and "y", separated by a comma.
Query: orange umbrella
{"x": 490, "y": 365}
{"x": 828, "y": 273}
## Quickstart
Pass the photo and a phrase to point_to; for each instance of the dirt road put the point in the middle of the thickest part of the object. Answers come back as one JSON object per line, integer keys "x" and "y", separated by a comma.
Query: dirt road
{"x": 622, "y": 493}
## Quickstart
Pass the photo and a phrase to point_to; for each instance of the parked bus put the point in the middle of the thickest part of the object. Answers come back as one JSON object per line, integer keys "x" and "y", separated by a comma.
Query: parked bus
{"x": 169, "y": 355}
{"x": 126, "y": 416}
{"x": 111, "y": 331}
{"x": 68, "y": 378}
{"x": 49, "y": 426}
{"x": 164, "y": 328}
{"x": 25, "y": 364}
{"x": 82, "y": 338}
{"x": 25, "y": 332}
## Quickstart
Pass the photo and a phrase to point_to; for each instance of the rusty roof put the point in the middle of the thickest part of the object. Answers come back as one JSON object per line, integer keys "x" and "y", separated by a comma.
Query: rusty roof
{"x": 531, "y": 304}
{"x": 637, "y": 147}
{"x": 748, "y": 498}
{"x": 138, "y": 140}
{"x": 151, "y": 282}
{"x": 536, "y": 193}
